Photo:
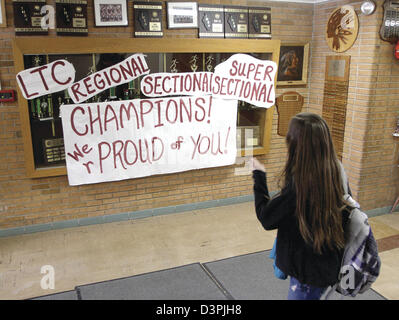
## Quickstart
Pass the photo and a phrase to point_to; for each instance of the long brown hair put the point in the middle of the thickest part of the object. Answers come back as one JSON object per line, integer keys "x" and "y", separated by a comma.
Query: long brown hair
{"x": 313, "y": 171}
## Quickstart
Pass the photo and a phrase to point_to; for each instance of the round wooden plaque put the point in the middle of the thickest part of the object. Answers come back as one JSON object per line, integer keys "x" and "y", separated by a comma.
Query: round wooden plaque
{"x": 342, "y": 28}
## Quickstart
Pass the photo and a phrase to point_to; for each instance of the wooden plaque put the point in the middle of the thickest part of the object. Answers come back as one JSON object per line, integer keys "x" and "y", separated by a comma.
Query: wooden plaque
{"x": 342, "y": 29}
{"x": 71, "y": 17}
{"x": 147, "y": 19}
{"x": 259, "y": 22}
{"x": 335, "y": 99}
{"x": 288, "y": 105}
{"x": 28, "y": 17}
{"x": 210, "y": 21}
{"x": 235, "y": 22}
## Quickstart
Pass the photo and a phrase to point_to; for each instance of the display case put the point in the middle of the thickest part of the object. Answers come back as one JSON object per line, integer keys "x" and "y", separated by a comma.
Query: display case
{"x": 40, "y": 118}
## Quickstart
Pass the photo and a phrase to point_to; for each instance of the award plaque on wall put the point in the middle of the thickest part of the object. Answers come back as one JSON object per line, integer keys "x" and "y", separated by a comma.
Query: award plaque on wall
{"x": 210, "y": 21}
{"x": 259, "y": 23}
{"x": 28, "y": 17}
{"x": 71, "y": 17}
{"x": 235, "y": 22}
{"x": 147, "y": 19}
{"x": 288, "y": 105}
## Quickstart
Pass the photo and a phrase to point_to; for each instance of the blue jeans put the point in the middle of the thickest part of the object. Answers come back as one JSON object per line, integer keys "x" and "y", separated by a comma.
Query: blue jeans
{"x": 299, "y": 291}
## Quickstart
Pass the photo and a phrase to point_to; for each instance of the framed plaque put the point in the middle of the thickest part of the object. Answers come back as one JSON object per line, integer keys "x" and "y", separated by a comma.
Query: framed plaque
{"x": 337, "y": 68}
{"x": 235, "y": 22}
{"x": 210, "y": 21}
{"x": 3, "y": 21}
{"x": 259, "y": 23}
{"x": 182, "y": 15}
{"x": 110, "y": 13}
{"x": 147, "y": 19}
{"x": 71, "y": 16}
{"x": 28, "y": 17}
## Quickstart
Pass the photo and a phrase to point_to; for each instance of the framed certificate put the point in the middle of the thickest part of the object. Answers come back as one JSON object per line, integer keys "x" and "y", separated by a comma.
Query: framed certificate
{"x": 110, "y": 13}
{"x": 182, "y": 15}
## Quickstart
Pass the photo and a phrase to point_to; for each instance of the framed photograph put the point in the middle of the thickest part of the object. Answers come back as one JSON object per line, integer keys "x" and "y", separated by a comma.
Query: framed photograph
{"x": 293, "y": 64}
{"x": 110, "y": 13}
{"x": 182, "y": 15}
{"x": 3, "y": 21}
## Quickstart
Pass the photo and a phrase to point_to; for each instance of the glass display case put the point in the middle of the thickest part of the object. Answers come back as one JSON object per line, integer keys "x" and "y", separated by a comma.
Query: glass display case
{"x": 41, "y": 123}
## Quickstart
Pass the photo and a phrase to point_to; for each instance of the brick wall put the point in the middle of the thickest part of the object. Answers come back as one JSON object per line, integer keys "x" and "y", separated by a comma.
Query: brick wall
{"x": 370, "y": 150}
{"x": 25, "y": 201}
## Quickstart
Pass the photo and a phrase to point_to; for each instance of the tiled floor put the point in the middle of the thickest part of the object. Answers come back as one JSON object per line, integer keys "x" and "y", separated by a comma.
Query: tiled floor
{"x": 108, "y": 251}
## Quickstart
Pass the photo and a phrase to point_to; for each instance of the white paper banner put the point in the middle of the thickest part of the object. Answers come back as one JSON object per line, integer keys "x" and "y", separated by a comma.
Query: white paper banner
{"x": 246, "y": 78}
{"x": 119, "y": 140}
{"x": 42, "y": 80}
{"x": 123, "y": 72}
{"x": 241, "y": 77}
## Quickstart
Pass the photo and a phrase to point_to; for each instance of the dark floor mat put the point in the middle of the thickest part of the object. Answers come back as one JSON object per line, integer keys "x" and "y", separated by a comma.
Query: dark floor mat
{"x": 67, "y": 295}
{"x": 190, "y": 282}
{"x": 251, "y": 277}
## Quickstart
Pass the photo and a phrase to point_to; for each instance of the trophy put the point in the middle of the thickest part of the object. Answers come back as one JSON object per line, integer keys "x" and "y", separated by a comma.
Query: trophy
{"x": 44, "y": 108}
{"x": 193, "y": 63}
{"x": 112, "y": 95}
{"x": 35, "y": 103}
{"x": 209, "y": 63}
{"x": 173, "y": 66}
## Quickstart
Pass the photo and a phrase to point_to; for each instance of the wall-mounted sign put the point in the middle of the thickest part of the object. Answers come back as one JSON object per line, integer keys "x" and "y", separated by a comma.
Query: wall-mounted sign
{"x": 28, "y": 17}
{"x": 259, "y": 23}
{"x": 342, "y": 29}
{"x": 71, "y": 16}
{"x": 235, "y": 22}
{"x": 210, "y": 21}
{"x": 147, "y": 19}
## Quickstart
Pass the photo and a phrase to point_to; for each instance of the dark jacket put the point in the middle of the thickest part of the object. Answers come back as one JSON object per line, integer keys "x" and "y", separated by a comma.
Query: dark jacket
{"x": 294, "y": 257}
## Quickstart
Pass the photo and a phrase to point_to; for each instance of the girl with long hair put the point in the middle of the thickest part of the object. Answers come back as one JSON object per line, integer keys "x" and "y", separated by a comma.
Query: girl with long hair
{"x": 309, "y": 211}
